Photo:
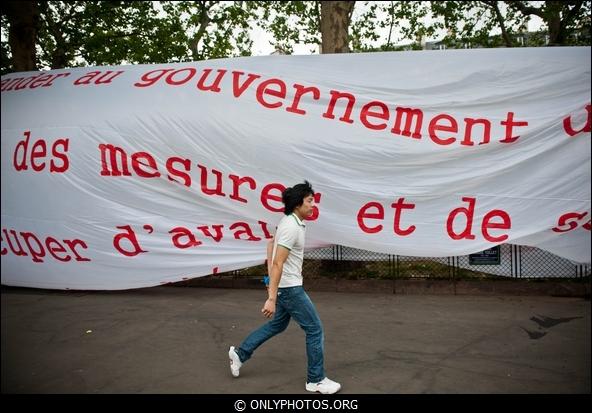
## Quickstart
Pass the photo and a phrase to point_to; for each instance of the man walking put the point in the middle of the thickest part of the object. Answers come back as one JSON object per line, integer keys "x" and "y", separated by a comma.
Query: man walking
{"x": 286, "y": 297}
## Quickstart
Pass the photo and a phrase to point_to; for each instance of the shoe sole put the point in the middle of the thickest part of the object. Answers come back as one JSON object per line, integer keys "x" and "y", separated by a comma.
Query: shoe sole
{"x": 318, "y": 391}
{"x": 231, "y": 362}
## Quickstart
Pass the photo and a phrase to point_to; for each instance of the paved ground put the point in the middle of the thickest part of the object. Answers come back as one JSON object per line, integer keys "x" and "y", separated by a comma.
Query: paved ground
{"x": 175, "y": 340}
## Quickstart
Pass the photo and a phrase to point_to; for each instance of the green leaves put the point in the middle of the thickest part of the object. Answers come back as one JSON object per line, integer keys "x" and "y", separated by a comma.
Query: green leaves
{"x": 108, "y": 32}
{"x": 216, "y": 29}
{"x": 289, "y": 22}
{"x": 81, "y": 33}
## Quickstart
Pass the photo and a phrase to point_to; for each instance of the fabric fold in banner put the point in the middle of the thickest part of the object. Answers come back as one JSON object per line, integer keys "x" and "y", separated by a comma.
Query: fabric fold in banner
{"x": 132, "y": 176}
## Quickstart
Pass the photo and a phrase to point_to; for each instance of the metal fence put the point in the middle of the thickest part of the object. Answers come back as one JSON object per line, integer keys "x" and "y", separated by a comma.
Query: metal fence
{"x": 505, "y": 261}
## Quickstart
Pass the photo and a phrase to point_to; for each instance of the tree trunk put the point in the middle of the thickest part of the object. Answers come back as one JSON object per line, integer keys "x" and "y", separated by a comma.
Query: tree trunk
{"x": 555, "y": 30}
{"x": 58, "y": 58}
{"x": 556, "y": 14}
{"x": 335, "y": 21}
{"x": 23, "y": 17}
{"x": 500, "y": 21}
{"x": 557, "y": 17}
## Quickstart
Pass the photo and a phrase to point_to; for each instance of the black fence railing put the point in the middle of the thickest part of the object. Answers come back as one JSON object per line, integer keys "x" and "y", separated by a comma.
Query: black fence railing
{"x": 505, "y": 261}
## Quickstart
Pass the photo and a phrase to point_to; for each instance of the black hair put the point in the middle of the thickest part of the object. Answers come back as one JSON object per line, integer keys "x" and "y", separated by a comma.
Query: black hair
{"x": 294, "y": 197}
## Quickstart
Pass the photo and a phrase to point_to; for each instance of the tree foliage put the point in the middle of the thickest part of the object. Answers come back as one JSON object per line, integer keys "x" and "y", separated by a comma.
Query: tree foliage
{"x": 80, "y": 33}
{"x": 566, "y": 21}
{"x": 289, "y": 22}
{"x": 215, "y": 29}
{"x": 312, "y": 23}
{"x": 108, "y": 32}
{"x": 473, "y": 22}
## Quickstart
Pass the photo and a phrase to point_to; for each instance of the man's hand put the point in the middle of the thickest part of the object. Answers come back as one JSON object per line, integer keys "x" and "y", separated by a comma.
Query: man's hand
{"x": 268, "y": 308}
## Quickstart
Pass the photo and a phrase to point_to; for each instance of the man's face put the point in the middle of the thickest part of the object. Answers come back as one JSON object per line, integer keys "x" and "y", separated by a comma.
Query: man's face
{"x": 305, "y": 210}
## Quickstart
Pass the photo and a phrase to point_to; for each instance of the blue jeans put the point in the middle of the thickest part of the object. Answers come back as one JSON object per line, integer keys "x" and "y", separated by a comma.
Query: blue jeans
{"x": 292, "y": 302}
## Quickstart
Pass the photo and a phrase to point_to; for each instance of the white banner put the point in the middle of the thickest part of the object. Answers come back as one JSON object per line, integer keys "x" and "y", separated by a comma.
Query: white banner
{"x": 133, "y": 176}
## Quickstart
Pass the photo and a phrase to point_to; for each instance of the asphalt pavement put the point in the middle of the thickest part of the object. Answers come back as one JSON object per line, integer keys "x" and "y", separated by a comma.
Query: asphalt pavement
{"x": 170, "y": 340}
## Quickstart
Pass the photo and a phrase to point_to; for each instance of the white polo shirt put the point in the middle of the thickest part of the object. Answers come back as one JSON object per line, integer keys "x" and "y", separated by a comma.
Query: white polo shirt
{"x": 290, "y": 235}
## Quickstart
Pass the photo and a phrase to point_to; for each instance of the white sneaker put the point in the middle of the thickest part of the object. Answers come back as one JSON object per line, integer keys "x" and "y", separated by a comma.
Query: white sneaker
{"x": 235, "y": 363}
{"x": 325, "y": 386}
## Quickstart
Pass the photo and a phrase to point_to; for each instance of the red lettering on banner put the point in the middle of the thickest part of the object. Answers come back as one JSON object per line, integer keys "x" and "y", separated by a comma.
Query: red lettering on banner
{"x": 246, "y": 230}
{"x": 206, "y": 231}
{"x": 179, "y": 233}
{"x": 266, "y": 196}
{"x": 237, "y": 89}
{"x": 572, "y": 220}
{"x": 36, "y": 253}
{"x": 265, "y": 230}
{"x": 36, "y": 247}
{"x": 300, "y": 91}
{"x": 375, "y": 210}
{"x": 350, "y": 106}
{"x": 20, "y": 251}
{"x": 73, "y": 243}
{"x": 204, "y": 182}
{"x": 21, "y": 157}
{"x": 109, "y": 165}
{"x": 54, "y": 247}
{"x": 467, "y": 141}
{"x": 183, "y": 238}
{"x": 130, "y": 236}
{"x": 486, "y": 224}
{"x": 399, "y": 206}
{"x": 407, "y": 121}
{"x": 31, "y": 82}
{"x": 97, "y": 77}
{"x": 214, "y": 87}
{"x": 115, "y": 162}
{"x": 509, "y": 124}
{"x": 374, "y": 115}
{"x": 411, "y": 113}
{"x": 364, "y": 214}
{"x": 237, "y": 181}
{"x": 468, "y": 213}
{"x": 435, "y": 126}
{"x": 181, "y": 80}
{"x": 65, "y": 162}
{"x": 315, "y": 210}
{"x": 39, "y": 150}
{"x": 148, "y": 161}
{"x": 150, "y": 78}
{"x": 266, "y": 89}
{"x": 178, "y": 173}
{"x": 567, "y": 126}
{"x": 382, "y": 114}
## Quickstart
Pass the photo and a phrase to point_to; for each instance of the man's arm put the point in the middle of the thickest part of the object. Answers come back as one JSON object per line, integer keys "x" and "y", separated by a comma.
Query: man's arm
{"x": 281, "y": 255}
